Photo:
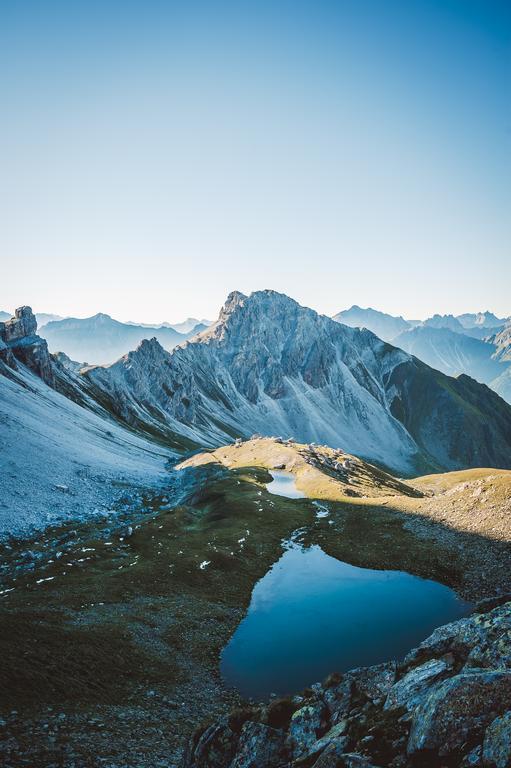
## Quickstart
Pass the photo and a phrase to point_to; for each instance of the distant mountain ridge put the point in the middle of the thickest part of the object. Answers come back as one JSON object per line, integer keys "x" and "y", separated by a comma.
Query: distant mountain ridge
{"x": 380, "y": 323}
{"x": 446, "y": 342}
{"x": 101, "y": 340}
{"x": 185, "y": 327}
{"x": 482, "y": 319}
{"x": 269, "y": 365}
{"x": 444, "y": 321}
{"x": 450, "y": 352}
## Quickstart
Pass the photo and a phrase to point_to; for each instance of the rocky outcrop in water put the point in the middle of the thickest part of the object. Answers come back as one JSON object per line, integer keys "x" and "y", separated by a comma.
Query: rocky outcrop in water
{"x": 447, "y": 704}
{"x": 19, "y": 342}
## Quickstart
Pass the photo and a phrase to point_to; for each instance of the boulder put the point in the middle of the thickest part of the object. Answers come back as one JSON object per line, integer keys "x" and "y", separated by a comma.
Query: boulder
{"x": 331, "y": 755}
{"x": 335, "y": 736}
{"x": 370, "y": 683}
{"x": 457, "y": 709}
{"x": 474, "y": 759}
{"x": 481, "y": 639}
{"x": 338, "y": 698}
{"x": 215, "y": 748}
{"x": 354, "y": 760}
{"x": 408, "y": 691}
{"x": 307, "y": 725}
{"x": 497, "y": 742}
{"x": 374, "y": 682}
{"x": 259, "y": 746}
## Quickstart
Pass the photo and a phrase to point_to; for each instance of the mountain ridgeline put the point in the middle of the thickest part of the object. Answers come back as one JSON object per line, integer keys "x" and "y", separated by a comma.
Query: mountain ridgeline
{"x": 270, "y": 366}
{"x": 101, "y": 339}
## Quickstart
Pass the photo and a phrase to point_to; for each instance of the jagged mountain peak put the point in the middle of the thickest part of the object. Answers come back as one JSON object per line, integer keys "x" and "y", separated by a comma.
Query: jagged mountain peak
{"x": 149, "y": 348}
{"x": 254, "y": 311}
{"x": 234, "y": 299}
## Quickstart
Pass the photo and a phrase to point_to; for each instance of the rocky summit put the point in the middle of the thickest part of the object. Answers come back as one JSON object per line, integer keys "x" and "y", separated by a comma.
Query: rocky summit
{"x": 448, "y": 703}
{"x": 19, "y": 342}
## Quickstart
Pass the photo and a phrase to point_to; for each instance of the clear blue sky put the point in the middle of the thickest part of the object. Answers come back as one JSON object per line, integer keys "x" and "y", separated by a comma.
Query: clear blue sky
{"x": 157, "y": 155}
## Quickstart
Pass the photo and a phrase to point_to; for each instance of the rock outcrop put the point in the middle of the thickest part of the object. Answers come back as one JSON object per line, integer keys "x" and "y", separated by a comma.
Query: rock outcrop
{"x": 19, "y": 342}
{"x": 448, "y": 703}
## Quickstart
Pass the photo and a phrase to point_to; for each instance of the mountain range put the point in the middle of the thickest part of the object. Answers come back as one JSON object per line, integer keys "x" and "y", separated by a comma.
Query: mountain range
{"x": 387, "y": 327}
{"x": 101, "y": 339}
{"x": 477, "y": 344}
{"x": 270, "y": 366}
{"x": 445, "y": 342}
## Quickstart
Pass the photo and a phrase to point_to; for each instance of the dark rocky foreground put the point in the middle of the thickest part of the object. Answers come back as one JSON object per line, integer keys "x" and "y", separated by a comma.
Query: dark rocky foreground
{"x": 447, "y": 704}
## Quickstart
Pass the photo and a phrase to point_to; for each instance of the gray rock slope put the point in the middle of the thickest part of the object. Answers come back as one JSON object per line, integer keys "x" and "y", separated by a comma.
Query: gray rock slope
{"x": 270, "y": 366}
{"x": 60, "y": 460}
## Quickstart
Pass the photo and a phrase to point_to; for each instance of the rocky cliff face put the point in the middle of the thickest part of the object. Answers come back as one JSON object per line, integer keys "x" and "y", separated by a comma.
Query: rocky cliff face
{"x": 447, "y": 704}
{"x": 19, "y": 342}
{"x": 502, "y": 344}
{"x": 270, "y": 366}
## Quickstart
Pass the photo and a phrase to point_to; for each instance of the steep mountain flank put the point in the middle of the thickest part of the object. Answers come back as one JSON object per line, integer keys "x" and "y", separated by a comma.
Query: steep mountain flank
{"x": 502, "y": 343}
{"x": 59, "y": 459}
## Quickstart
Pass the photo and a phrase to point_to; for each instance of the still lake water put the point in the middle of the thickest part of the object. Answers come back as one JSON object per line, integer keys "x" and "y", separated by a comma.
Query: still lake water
{"x": 283, "y": 484}
{"x": 312, "y": 614}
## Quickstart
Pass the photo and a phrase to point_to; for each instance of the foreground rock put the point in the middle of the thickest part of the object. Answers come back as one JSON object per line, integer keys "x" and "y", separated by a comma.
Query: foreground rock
{"x": 447, "y": 704}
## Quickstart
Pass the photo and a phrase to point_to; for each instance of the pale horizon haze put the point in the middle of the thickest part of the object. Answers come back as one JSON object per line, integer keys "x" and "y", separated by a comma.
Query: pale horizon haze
{"x": 158, "y": 155}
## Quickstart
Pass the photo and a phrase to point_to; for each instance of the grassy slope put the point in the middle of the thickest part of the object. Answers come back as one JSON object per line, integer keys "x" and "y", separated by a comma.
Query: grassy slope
{"x": 319, "y": 470}
{"x": 475, "y": 500}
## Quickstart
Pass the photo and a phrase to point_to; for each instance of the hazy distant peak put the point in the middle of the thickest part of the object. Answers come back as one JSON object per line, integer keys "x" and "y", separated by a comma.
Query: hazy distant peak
{"x": 484, "y": 319}
{"x": 444, "y": 321}
{"x": 382, "y": 324}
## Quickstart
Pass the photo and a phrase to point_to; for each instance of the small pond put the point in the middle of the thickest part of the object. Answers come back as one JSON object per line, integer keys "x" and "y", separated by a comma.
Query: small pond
{"x": 283, "y": 484}
{"x": 312, "y": 614}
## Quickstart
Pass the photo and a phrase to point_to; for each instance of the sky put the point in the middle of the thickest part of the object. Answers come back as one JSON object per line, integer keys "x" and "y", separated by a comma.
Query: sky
{"x": 157, "y": 155}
